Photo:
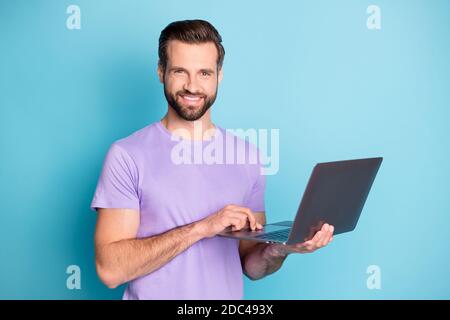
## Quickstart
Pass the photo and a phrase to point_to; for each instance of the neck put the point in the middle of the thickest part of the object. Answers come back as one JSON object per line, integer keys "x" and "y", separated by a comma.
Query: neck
{"x": 200, "y": 129}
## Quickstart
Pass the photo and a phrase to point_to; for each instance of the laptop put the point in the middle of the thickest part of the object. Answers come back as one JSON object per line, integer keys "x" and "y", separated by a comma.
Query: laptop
{"x": 335, "y": 194}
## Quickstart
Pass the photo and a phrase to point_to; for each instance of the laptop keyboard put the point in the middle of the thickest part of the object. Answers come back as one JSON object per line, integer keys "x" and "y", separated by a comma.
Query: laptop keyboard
{"x": 281, "y": 235}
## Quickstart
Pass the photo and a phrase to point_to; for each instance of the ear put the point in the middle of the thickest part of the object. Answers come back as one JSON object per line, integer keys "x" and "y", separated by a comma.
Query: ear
{"x": 219, "y": 79}
{"x": 160, "y": 73}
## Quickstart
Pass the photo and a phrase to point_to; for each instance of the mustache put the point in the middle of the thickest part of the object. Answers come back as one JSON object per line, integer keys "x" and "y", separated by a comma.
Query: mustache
{"x": 186, "y": 92}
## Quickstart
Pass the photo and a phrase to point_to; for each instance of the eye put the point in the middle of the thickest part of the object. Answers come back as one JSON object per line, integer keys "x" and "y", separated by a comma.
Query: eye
{"x": 205, "y": 74}
{"x": 179, "y": 71}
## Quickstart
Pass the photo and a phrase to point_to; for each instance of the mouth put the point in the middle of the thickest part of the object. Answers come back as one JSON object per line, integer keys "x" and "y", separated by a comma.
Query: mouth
{"x": 192, "y": 100}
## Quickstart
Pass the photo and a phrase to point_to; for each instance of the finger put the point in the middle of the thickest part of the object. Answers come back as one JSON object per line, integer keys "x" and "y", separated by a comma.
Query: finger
{"x": 235, "y": 223}
{"x": 241, "y": 216}
{"x": 232, "y": 222}
{"x": 242, "y": 224}
{"x": 237, "y": 226}
{"x": 316, "y": 240}
{"x": 323, "y": 235}
{"x": 329, "y": 235}
{"x": 251, "y": 218}
{"x": 309, "y": 245}
{"x": 316, "y": 237}
{"x": 237, "y": 214}
{"x": 249, "y": 214}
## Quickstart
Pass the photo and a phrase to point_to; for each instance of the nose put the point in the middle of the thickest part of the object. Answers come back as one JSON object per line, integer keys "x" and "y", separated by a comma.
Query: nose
{"x": 192, "y": 85}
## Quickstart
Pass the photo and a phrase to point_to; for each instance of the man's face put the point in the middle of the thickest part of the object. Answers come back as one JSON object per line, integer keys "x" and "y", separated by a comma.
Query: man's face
{"x": 191, "y": 78}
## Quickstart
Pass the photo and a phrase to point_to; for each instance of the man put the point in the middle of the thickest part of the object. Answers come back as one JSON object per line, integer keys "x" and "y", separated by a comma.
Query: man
{"x": 158, "y": 219}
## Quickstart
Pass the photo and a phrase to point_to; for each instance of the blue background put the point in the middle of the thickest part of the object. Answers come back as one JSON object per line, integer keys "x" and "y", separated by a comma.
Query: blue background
{"x": 335, "y": 89}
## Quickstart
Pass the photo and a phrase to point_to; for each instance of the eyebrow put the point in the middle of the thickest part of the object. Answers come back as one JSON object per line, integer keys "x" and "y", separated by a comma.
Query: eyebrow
{"x": 207, "y": 70}
{"x": 201, "y": 70}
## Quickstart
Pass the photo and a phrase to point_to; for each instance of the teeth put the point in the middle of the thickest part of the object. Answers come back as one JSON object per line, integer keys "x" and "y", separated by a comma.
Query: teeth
{"x": 191, "y": 98}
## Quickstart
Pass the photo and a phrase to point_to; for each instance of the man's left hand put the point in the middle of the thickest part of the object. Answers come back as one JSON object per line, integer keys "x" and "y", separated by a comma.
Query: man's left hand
{"x": 322, "y": 238}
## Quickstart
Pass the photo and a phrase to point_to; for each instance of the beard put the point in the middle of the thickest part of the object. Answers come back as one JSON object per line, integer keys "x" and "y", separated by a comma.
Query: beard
{"x": 189, "y": 113}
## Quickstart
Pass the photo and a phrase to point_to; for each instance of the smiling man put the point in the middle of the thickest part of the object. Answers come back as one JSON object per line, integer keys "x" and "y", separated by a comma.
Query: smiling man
{"x": 158, "y": 220}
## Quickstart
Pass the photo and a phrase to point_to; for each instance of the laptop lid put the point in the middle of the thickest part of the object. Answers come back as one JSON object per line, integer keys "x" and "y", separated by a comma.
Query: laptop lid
{"x": 336, "y": 193}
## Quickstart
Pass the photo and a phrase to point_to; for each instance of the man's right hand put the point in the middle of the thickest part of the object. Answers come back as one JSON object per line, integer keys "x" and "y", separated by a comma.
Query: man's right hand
{"x": 231, "y": 215}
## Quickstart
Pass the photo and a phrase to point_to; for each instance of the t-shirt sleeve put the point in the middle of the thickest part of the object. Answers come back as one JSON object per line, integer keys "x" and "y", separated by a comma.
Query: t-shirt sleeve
{"x": 255, "y": 198}
{"x": 117, "y": 186}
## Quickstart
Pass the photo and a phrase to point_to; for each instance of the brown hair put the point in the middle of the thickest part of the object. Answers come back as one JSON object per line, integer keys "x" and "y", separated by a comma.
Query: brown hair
{"x": 190, "y": 31}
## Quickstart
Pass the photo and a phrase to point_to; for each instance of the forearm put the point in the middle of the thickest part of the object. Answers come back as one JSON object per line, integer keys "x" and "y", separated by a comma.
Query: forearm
{"x": 125, "y": 260}
{"x": 261, "y": 261}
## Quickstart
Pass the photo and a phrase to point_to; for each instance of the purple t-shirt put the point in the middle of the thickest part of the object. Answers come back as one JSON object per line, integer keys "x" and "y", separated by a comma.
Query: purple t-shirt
{"x": 139, "y": 172}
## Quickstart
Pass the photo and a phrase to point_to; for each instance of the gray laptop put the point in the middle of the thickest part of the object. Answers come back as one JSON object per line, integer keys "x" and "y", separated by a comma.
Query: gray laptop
{"x": 335, "y": 194}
